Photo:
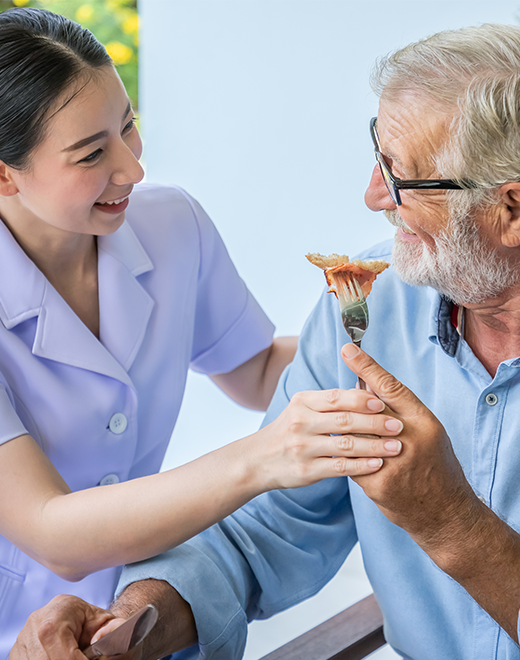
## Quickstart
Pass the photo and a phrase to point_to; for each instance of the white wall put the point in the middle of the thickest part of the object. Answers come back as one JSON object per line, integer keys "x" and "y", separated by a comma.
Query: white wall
{"x": 260, "y": 109}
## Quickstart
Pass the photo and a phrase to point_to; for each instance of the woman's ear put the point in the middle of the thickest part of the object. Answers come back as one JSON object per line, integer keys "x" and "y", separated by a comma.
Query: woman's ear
{"x": 510, "y": 194}
{"x": 7, "y": 185}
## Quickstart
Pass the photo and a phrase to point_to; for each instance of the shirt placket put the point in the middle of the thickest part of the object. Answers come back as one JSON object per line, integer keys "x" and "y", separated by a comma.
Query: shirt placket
{"x": 487, "y": 432}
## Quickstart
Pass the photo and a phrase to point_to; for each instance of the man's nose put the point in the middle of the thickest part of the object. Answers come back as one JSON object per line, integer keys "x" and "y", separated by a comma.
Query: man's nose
{"x": 377, "y": 197}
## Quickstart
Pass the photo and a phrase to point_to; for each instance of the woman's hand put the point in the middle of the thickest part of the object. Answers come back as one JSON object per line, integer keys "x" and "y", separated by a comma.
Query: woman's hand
{"x": 316, "y": 437}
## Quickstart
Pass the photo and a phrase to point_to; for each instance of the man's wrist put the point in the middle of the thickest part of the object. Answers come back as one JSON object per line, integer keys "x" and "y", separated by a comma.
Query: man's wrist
{"x": 175, "y": 628}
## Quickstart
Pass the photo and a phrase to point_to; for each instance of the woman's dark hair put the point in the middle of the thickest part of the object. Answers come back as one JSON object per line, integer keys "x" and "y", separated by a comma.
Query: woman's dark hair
{"x": 41, "y": 55}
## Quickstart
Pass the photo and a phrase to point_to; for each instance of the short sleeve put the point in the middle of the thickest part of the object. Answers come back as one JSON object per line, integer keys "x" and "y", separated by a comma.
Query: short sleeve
{"x": 10, "y": 424}
{"x": 230, "y": 326}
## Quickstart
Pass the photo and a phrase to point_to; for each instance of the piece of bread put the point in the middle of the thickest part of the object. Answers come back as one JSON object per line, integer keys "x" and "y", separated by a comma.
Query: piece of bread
{"x": 365, "y": 272}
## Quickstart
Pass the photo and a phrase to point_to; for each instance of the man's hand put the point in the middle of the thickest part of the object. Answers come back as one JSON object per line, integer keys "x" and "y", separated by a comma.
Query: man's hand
{"x": 175, "y": 628}
{"x": 423, "y": 489}
{"x": 59, "y": 630}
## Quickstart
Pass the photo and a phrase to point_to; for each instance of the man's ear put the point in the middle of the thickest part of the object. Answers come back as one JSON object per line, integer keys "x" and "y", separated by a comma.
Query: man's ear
{"x": 510, "y": 194}
{"x": 7, "y": 185}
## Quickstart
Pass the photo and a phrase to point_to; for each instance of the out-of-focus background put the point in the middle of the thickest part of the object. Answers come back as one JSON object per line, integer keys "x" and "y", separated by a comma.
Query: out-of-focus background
{"x": 260, "y": 109}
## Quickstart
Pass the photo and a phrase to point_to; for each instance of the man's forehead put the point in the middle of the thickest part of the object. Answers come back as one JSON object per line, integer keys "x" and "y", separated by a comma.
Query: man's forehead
{"x": 410, "y": 131}
{"x": 412, "y": 117}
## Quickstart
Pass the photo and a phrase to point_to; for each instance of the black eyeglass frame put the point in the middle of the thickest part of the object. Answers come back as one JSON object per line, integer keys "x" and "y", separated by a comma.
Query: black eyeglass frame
{"x": 394, "y": 183}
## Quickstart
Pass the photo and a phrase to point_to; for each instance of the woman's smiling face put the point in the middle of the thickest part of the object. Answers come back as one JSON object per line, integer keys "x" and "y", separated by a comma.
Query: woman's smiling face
{"x": 88, "y": 158}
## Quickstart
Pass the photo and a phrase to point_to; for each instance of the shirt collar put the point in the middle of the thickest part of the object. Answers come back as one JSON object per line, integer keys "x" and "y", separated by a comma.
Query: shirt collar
{"x": 125, "y": 306}
{"x": 441, "y": 329}
{"x": 22, "y": 284}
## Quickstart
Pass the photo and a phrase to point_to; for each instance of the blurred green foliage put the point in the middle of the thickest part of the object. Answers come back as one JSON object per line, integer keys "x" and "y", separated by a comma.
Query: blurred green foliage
{"x": 114, "y": 22}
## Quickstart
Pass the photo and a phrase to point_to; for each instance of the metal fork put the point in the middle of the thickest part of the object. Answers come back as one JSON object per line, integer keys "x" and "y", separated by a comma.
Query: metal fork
{"x": 354, "y": 310}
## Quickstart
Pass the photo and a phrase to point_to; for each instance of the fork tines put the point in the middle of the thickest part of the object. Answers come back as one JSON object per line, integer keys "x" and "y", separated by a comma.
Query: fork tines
{"x": 348, "y": 287}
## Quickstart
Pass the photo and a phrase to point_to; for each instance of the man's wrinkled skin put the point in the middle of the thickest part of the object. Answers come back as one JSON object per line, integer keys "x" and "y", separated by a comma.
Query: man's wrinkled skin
{"x": 58, "y": 630}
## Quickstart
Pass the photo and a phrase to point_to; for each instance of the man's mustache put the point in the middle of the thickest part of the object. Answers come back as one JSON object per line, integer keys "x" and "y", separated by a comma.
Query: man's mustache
{"x": 393, "y": 217}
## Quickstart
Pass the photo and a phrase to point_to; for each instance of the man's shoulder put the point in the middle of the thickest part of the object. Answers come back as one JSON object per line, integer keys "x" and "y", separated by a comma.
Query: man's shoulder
{"x": 381, "y": 250}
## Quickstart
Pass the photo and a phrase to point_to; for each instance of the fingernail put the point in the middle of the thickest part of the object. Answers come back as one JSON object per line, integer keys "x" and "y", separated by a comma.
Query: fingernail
{"x": 375, "y": 405}
{"x": 350, "y": 351}
{"x": 393, "y": 445}
{"x": 394, "y": 425}
{"x": 375, "y": 462}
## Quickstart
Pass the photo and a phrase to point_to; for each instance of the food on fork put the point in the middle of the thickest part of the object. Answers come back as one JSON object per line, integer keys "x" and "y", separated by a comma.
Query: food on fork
{"x": 365, "y": 272}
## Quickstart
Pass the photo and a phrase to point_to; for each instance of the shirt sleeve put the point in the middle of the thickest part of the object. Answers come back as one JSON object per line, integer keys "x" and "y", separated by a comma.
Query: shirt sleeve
{"x": 230, "y": 326}
{"x": 279, "y": 549}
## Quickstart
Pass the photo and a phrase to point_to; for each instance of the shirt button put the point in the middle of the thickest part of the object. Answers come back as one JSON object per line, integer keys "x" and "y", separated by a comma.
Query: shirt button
{"x": 118, "y": 423}
{"x": 109, "y": 480}
{"x": 491, "y": 399}
{"x": 482, "y": 499}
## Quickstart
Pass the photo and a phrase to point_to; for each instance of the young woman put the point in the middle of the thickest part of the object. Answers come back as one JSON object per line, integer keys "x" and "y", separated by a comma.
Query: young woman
{"x": 108, "y": 294}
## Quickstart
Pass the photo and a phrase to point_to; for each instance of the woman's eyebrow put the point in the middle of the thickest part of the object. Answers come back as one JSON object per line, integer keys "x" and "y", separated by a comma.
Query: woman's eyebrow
{"x": 86, "y": 141}
{"x": 97, "y": 136}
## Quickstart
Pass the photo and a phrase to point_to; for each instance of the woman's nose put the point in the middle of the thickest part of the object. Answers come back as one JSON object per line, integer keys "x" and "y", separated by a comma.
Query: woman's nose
{"x": 129, "y": 169}
{"x": 377, "y": 197}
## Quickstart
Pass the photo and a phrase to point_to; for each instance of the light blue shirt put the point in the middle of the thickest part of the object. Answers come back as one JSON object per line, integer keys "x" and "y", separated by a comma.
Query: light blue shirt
{"x": 284, "y": 546}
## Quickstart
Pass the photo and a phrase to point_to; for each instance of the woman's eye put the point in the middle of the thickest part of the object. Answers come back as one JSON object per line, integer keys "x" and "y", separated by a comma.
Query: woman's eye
{"x": 129, "y": 126}
{"x": 91, "y": 156}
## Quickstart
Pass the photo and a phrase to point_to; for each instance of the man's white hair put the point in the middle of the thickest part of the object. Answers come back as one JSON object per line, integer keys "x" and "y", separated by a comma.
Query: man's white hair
{"x": 474, "y": 75}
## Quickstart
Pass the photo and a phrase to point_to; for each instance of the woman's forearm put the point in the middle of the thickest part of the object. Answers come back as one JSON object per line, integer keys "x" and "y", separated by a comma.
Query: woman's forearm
{"x": 89, "y": 530}
{"x": 75, "y": 534}
{"x": 252, "y": 384}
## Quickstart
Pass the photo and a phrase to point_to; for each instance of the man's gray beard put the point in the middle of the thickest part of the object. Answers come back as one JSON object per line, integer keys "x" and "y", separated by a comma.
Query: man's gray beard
{"x": 463, "y": 268}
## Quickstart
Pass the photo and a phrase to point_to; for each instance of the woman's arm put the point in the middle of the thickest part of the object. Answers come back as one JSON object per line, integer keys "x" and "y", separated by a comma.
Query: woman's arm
{"x": 77, "y": 533}
{"x": 252, "y": 384}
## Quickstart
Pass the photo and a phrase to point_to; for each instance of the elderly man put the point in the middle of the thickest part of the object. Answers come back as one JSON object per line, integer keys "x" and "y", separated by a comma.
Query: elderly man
{"x": 437, "y": 524}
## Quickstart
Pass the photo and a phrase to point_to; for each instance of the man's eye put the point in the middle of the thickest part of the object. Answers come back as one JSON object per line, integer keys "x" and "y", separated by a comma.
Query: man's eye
{"x": 91, "y": 156}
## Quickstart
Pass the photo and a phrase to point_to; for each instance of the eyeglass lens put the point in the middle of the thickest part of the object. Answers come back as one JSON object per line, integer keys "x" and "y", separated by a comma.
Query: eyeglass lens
{"x": 387, "y": 178}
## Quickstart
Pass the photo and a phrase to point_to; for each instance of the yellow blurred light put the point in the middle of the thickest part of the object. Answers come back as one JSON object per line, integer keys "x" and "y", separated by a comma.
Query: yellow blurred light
{"x": 84, "y": 13}
{"x": 114, "y": 5}
{"x": 20, "y": 3}
{"x": 120, "y": 53}
{"x": 131, "y": 24}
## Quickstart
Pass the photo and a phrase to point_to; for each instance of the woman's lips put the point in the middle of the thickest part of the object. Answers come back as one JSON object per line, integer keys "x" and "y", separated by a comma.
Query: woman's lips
{"x": 114, "y": 207}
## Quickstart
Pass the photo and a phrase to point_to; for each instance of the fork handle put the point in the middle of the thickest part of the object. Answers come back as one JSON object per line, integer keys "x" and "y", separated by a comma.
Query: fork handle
{"x": 361, "y": 382}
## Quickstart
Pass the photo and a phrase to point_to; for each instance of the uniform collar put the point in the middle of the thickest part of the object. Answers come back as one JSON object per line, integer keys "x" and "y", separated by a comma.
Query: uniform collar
{"x": 125, "y": 307}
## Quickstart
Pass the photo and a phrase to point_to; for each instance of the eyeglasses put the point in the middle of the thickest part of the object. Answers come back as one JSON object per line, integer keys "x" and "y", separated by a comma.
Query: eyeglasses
{"x": 394, "y": 184}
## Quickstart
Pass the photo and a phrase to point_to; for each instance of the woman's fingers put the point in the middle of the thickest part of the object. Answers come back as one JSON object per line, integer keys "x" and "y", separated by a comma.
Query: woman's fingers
{"x": 351, "y": 446}
{"x": 303, "y": 420}
{"x": 337, "y": 399}
{"x": 340, "y": 466}
{"x": 340, "y": 412}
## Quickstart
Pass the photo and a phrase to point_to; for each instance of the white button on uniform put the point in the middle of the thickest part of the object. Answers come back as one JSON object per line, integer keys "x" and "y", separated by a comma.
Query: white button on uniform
{"x": 109, "y": 480}
{"x": 482, "y": 499}
{"x": 118, "y": 423}
{"x": 491, "y": 399}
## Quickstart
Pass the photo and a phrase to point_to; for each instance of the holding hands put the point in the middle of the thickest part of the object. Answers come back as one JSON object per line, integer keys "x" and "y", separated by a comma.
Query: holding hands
{"x": 423, "y": 489}
{"x": 316, "y": 437}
